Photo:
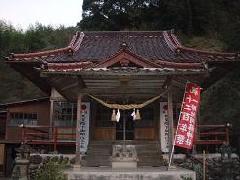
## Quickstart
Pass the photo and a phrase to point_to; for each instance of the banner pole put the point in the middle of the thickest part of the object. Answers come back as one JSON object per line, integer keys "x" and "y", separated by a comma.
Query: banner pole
{"x": 173, "y": 147}
{"x": 171, "y": 156}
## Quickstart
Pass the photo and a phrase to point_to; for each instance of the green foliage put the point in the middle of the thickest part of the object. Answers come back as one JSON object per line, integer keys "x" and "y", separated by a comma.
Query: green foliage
{"x": 220, "y": 103}
{"x": 52, "y": 169}
{"x": 13, "y": 86}
{"x": 216, "y": 18}
{"x": 212, "y": 44}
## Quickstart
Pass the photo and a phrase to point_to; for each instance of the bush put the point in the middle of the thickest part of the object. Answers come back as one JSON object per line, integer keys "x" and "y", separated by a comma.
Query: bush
{"x": 52, "y": 169}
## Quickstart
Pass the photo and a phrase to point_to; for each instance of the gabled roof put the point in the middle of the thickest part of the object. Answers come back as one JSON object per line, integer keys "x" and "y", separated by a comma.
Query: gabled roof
{"x": 147, "y": 53}
{"x": 124, "y": 56}
{"x": 151, "y": 45}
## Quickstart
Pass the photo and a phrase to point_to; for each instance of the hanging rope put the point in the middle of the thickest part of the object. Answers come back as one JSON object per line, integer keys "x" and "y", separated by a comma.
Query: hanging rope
{"x": 127, "y": 106}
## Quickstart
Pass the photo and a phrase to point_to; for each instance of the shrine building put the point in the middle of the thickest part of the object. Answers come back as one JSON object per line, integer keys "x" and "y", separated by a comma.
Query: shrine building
{"x": 106, "y": 88}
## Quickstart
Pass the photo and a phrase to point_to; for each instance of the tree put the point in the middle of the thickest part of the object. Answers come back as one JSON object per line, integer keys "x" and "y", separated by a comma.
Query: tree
{"x": 13, "y": 86}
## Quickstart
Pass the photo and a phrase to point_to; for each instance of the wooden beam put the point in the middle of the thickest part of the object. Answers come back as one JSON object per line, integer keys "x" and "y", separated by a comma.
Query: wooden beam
{"x": 170, "y": 120}
{"x": 69, "y": 86}
{"x": 81, "y": 83}
{"x": 125, "y": 88}
{"x": 130, "y": 74}
{"x": 178, "y": 84}
{"x": 117, "y": 80}
{"x": 167, "y": 82}
{"x": 56, "y": 86}
{"x": 119, "y": 90}
{"x": 51, "y": 124}
{"x": 120, "y": 77}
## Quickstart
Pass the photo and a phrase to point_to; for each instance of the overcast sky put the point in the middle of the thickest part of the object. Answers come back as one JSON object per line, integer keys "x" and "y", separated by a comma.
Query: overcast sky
{"x": 22, "y": 13}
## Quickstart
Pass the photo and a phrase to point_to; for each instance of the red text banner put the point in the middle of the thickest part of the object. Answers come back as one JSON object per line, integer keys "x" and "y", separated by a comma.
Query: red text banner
{"x": 187, "y": 118}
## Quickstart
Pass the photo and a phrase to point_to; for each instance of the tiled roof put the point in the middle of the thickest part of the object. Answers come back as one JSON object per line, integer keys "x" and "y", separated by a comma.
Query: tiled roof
{"x": 152, "y": 45}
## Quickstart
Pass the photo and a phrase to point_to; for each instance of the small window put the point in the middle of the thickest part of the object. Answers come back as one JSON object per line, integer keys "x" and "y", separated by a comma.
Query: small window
{"x": 64, "y": 113}
{"x": 18, "y": 118}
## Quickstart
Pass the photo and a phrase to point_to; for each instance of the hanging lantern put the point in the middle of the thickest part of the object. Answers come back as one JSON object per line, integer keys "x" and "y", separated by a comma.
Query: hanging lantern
{"x": 113, "y": 116}
{"x": 138, "y": 117}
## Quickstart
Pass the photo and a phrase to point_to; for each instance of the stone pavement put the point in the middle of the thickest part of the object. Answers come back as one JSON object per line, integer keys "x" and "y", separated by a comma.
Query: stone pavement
{"x": 144, "y": 173}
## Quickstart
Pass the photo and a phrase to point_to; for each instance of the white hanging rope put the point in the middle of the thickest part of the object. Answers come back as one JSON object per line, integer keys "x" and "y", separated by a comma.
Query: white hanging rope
{"x": 127, "y": 106}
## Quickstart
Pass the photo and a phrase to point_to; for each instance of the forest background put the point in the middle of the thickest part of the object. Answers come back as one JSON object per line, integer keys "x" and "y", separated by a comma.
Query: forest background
{"x": 209, "y": 25}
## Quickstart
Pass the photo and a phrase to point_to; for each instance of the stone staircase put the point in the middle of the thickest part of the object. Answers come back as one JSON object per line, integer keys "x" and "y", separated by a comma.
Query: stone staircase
{"x": 149, "y": 154}
{"x": 100, "y": 152}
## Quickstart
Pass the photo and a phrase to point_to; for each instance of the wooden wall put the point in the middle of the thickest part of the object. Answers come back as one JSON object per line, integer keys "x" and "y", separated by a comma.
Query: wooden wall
{"x": 141, "y": 132}
{"x": 107, "y": 133}
{"x": 3, "y": 118}
{"x": 41, "y": 108}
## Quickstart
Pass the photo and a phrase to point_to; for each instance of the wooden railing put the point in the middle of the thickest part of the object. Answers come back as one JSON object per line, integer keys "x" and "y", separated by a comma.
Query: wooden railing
{"x": 212, "y": 134}
{"x": 48, "y": 135}
{"x": 206, "y": 135}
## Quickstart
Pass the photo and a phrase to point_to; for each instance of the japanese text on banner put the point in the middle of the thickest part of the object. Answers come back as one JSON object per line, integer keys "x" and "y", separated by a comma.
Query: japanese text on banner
{"x": 186, "y": 125}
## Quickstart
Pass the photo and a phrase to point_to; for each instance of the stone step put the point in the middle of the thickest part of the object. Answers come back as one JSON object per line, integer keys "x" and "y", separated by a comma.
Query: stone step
{"x": 149, "y": 154}
{"x": 95, "y": 163}
{"x": 105, "y": 158}
{"x": 100, "y": 152}
{"x": 150, "y": 157}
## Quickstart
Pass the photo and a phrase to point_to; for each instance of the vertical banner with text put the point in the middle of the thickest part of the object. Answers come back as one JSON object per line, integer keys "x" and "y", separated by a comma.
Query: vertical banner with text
{"x": 84, "y": 127}
{"x": 186, "y": 124}
{"x": 164, "y": 127}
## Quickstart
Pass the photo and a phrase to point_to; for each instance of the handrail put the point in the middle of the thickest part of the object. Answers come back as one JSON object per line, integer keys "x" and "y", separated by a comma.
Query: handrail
{"x": 206, "y": 135}
{"x": 212, "y": 134}
{"x": 36, "y": 134}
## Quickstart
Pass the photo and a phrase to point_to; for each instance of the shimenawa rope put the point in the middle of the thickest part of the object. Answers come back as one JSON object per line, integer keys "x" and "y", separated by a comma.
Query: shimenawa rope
{"x": 127, "y": 106}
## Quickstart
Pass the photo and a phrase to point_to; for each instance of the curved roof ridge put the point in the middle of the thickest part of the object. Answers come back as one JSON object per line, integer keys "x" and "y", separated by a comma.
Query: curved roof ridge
{"x": 175, "y": 40}
{"x": 78, "y": 40}
{"x": 72, "y": 46}
{"x": 73, "y": 40}
{"x": 171, "y": 44}
{"x": 67, "y": 49}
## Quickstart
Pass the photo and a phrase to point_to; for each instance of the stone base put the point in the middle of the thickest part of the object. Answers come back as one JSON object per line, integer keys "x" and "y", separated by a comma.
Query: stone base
{"x": 20, "y": 169}
{"x": 124, "y": 164}
{"x": 76, "y": 167}
{"x": 148, "y": 173}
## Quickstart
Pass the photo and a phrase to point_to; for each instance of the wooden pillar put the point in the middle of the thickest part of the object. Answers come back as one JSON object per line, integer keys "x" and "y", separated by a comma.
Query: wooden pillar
{"x": 78, "y": 157}
{"x": 170, "y": 120}
{"x": 51, "y": 124}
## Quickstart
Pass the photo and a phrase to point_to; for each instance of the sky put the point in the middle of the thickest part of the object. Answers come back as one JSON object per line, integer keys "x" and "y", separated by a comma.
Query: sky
{"x": 22, "y": 13}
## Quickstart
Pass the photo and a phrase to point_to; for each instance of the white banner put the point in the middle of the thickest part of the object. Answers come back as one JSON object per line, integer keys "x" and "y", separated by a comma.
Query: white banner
{"x": 164, "y": 127}
{"x": 84, "y": 127}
